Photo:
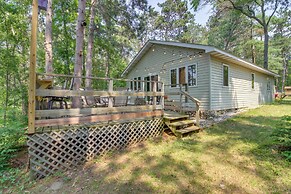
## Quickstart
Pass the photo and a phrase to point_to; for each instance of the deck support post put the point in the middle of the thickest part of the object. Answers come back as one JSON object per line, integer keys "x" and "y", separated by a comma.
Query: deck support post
{"x": 32, "y": 67}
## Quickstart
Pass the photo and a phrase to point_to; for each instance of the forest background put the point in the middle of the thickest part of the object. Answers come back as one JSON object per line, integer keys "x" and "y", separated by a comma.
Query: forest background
{"x": 106, "y": 34}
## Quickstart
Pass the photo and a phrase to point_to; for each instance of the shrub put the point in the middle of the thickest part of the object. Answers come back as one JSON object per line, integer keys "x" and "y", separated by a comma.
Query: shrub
{"x": 11, "y": 136}
{"x": 11, "y": 139}
{"x": 282, "y": 137}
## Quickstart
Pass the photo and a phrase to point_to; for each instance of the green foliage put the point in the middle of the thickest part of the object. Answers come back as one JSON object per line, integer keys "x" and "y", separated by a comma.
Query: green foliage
{"x": 282, "y": 137}
{"x": 174, "y": 19}
{"x": 11, "y": 137}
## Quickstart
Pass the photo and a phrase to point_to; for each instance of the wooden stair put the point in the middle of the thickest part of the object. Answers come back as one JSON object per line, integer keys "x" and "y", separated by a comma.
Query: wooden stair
{"x": 180, "y": 124}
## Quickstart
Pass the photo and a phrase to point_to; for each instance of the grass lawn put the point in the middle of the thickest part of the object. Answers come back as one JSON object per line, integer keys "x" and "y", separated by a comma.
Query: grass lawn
{"x": 235, "y": 156}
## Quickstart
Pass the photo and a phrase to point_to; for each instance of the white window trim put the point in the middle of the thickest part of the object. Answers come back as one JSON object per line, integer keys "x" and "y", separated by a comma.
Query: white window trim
{"x": 228, "y": 76}
{"x": 196, "y": 64}
{"x": 254, "y": 81}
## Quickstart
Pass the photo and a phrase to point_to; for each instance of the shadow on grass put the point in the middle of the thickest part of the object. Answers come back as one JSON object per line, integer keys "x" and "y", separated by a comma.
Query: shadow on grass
{"x": 145, "y": 171}
{"x": 251, "y": 137}
{"x": 175, "y": 165}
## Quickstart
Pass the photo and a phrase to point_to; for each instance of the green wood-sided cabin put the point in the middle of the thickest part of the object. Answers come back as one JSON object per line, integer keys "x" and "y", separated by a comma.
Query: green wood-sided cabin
{"x": 218, "y": 79}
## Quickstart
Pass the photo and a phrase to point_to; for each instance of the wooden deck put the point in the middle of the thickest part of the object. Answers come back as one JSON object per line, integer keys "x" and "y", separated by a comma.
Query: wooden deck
{"x": 105, "y": 102}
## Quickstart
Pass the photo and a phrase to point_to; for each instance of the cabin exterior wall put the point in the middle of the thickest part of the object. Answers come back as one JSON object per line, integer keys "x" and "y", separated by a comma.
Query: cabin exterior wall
{"x": 239, "y": 93}
{"x": 160, "y": 60}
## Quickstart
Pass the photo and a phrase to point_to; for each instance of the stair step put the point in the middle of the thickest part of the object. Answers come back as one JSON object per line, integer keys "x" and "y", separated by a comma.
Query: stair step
{"x": 188, "y": 129}
{"x": 181, "y": 123}
{"x": 175, "y": 117}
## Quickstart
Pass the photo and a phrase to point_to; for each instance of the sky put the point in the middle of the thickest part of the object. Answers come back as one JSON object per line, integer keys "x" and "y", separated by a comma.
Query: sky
{"x": 201, "y": 16}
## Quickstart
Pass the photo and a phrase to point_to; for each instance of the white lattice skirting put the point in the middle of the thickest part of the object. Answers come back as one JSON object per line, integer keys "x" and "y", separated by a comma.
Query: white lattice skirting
{"x": 64, "y": 149}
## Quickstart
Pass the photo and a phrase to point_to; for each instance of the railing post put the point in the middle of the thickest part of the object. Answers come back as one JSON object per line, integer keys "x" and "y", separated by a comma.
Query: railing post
{"x": 162, "y": 98}
{"x": 181, "y": 96}
{"x": 110, "y": 89}
{"x": 197, "y": 114}
{"x": 155, "y": 94}
{"x": 32, "y": 67}
{"x": 186, "y": 90}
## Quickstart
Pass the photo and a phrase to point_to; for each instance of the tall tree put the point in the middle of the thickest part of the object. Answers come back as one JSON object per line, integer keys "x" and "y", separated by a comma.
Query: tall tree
{"x": 282, "y": 41}
{"x": 90, "y": 44}
{"x": 81, "y": 23}
{"x": 249, "y": 8}
{"x": 226, "y": 28}
{"x": 256, "y": 10}
{"x": 174, "y": 19}
{"x": 48, "y": 38}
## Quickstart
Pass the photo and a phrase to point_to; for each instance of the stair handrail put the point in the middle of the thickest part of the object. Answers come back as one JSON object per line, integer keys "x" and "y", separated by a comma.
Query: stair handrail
{"x": 197, "y": 102}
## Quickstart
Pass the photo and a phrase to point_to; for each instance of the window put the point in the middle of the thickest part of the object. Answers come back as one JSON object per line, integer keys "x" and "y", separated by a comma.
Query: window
{"x": 225, "y": 75}
{"x": 269, "y": 86}
{"x": 253, "y": 81}
{"x": 192, "y": 75}
{"x": 147, "y": 84}
{"x": 135, "y": 84}
{"x": 131, "y": 85}
{"x": 139, "y": 83}
{"x": 173, "y": 78}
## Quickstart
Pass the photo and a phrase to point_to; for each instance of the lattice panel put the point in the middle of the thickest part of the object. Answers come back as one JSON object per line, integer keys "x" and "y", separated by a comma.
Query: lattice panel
{"x": 62, "y": 150}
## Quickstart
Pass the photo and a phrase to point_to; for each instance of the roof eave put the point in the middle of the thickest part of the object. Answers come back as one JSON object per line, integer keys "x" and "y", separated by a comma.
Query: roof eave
{"x": 245, "y": 63}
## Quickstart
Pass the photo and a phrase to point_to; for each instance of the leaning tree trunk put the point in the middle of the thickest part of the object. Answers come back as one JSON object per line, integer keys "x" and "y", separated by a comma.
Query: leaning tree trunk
{"x": 88, "y": 82}
{"x": 48, "y": 39}
{"x": 266, "y": 46}
{"x": 76, "y": 103}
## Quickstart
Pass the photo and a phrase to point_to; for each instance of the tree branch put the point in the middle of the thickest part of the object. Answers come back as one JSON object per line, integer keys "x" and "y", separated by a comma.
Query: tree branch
{"x": 276, "y": 6}
{"x": 246, "y": 13}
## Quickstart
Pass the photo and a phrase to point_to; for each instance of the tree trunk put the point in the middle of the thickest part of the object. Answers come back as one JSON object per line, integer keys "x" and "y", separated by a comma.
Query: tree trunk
{"x": 88, "y": 68}
{"x": 253, "y": 45}
{"x": 76, "y": 103}
{"x": 67, "y": 69}
{"x": 48, "y": 39}
{"x": 6, "y": 96}
{"x": 285, "y": 68}
{"x": 266, "y": 46}
{"x": 107, "y": 66}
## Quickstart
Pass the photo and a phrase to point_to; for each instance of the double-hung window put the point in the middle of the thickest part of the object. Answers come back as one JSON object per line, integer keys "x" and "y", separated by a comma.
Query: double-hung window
{"x": 139, "y": 84}
{"x": 173, "y": 78}
{"x": 192, "y": 75}
{"x": 225, "y": 73}
{"x": 269, "y": 85}
{"x": 253, "y": 81}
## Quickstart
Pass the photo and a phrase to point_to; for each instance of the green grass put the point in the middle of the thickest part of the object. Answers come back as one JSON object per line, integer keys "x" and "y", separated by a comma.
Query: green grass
{"x": 235, "y": 156}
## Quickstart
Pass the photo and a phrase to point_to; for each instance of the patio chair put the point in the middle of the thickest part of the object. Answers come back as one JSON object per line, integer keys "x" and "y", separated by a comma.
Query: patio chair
{"x": 120, "y": 100}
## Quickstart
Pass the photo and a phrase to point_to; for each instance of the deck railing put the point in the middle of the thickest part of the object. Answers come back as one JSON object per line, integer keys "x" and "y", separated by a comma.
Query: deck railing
{"x": 182, "y": 91}
{"x": 107, "y": 100}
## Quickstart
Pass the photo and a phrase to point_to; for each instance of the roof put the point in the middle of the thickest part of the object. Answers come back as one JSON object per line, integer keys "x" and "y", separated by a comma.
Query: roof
{"x": 207, "y": 49}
